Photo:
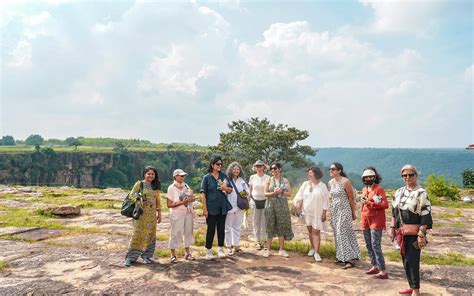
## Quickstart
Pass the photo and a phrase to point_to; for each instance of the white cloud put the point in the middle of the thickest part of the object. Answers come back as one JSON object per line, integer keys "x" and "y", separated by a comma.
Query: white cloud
{"x": 103, "y": 28}
{"x": 469, "y": 75}
{"x": 402, "y": 88}
{"x": 20, "y": 56}
{"x": 404, "y": 16}
{"x": 37, "y": 19}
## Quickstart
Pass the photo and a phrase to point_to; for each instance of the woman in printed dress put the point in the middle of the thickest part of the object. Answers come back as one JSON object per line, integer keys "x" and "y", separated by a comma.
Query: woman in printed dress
{"x": 342, "y": 214}
{"x": 143, "y": 241}
{"x": 277, "y": 214}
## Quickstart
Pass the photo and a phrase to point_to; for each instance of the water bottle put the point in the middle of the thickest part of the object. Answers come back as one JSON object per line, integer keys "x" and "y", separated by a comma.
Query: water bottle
{"x": 395, "y": 243}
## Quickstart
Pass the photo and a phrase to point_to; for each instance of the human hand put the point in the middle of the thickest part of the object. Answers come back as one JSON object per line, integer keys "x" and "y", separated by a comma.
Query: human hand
{"x": 354, "y": 216}
{"x": 421, "y": 242}
{"x": 158, "y": 217}
{"x": 392, "y": 233}
{"x": 323, "y": 217}
{"x": 205, "y": 213}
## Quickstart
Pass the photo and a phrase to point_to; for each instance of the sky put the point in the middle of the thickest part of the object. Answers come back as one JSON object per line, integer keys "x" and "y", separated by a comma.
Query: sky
{"x": 351, "y": 73}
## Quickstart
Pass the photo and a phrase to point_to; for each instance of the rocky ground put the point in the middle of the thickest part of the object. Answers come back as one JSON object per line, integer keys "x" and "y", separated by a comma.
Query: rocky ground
{"x": 83, "y": 255}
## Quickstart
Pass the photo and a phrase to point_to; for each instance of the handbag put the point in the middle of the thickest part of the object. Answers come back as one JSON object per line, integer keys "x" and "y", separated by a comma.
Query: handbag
{"x": 259, "y": 204}
{"x": 242, "y": 203}
{"x": 407, "y": 229}
{"x": 129, "y": 208}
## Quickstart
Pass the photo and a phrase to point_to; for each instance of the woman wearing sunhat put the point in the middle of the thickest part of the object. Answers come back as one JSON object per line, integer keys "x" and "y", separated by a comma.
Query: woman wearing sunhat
{"x": 373, "y": 205}
{"x": 257, "y": 202}
{"x": 180, "y": 201}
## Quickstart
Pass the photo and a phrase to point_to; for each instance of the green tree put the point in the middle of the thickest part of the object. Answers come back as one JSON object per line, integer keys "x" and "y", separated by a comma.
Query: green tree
{"x": 257, "y": 138}
{"x": 7, "y": 141}
{"x": 439, "y": 186}
{"x": 73, "y": 142}
{"x": 34, "y": 140}
{"x": 121, "y": 147}
{"x": 468, "y": 178}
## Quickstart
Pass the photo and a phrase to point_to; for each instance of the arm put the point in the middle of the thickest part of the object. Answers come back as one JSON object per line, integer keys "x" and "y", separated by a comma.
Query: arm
{"x": 203, "y": 195}
{"x": 426, "y": 219}
{"x": 380, "y": 205}
{"x": 266, "y": 189}
{"x": 135, "y": 189}
{"x": 158, "y": 208}
{"x": 287, "y": 192}
{"x": 325, "y": 193}
{"x": 350, "y": 195}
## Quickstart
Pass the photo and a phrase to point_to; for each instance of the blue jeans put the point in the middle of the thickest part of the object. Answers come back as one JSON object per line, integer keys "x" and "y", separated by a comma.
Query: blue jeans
{"x": 373, "y": 242}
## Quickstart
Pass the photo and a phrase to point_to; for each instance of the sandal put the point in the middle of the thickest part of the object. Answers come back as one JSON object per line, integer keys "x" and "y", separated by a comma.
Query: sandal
{"x": 173, "y": 259}
{"x": 189, "y": 257}
{"x": 348, "y": 264}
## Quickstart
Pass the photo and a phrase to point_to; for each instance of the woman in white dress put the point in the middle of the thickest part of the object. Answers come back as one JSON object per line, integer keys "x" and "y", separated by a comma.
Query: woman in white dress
{"x": 257, "y": 202}
{"x": 312, "y": 203}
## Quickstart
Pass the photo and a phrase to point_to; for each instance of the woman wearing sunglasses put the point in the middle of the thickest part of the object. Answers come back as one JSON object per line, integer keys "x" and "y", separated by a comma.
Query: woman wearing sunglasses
{"x": 277, "y": 214}
{"x": 342, "y": 214}
{"x": 411, "y": 217}
{"x": 214, "y": 189}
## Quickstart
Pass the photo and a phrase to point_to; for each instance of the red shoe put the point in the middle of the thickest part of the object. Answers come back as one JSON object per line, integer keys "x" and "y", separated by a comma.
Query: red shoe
{"x": 381, "y": 276}
{"x": 373, "y": 270}
{"x": 405, "y": 291}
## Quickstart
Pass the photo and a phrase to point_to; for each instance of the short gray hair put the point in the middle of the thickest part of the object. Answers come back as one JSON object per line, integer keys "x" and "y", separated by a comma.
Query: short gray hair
{"x": 231, "y": 167}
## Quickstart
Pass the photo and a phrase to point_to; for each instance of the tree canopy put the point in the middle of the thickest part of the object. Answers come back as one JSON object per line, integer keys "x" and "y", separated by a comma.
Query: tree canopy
{"x": 7, "y": 141}
{"x": 34, "y": 140}
{"x": 257, "y": 138}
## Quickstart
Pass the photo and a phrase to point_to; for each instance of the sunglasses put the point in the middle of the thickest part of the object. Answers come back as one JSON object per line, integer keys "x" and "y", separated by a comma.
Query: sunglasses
{"x": 274, "y": 168}
{"x": 333, "y": 169}
{"x": 408, "y": 175}
{"x": 218, "y": 163}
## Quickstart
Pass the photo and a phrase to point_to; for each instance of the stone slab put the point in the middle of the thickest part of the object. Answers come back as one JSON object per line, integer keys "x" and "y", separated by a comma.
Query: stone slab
{"x": 16, "y": 230}
{"x": 40, "y": 234}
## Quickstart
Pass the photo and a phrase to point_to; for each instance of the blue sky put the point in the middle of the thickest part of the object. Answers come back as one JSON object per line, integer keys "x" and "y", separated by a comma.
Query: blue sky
{"x": 352, "y": 73}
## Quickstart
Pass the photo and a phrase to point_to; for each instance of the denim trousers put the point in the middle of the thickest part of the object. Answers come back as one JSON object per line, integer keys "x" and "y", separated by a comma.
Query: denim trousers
{"x": 373, "y": 242}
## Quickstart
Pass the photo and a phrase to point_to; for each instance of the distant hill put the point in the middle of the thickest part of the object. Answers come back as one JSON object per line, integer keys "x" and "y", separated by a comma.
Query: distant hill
{"x": 447, "y": 162}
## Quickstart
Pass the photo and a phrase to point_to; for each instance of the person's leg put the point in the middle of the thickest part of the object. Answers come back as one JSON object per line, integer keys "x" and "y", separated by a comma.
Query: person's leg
{"x": 281, "y": 242}
{"x": 370, "y": 251}
{"x": 310, "y": 235}
{"x": 176, "y": 232}
{"x": 188, "y": 231}
{"x": 211, "y": 230}
{"x": 132, "y": 256}
{"x": 412, "y": 256}
{"x": 256, "y": 222}
{"x": 150, "y": 250}
{"x": 316, "y": 238}
{"x": 236, "y": 227}
{"x": 229, "y": 220}
{"x": 376, "y": 238}
{"x": 221, "y": 229}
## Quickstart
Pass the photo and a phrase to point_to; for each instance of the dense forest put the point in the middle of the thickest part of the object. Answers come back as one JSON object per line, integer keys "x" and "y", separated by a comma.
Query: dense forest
{"x": 447, "y": 162}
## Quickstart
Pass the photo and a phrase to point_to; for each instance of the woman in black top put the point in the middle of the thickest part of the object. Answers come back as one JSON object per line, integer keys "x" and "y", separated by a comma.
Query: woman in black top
{"x": 412, "y": 204}
{"x": 214, "y": 189}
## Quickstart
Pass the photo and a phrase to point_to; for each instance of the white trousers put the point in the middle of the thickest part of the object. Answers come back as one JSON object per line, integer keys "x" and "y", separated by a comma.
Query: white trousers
{"x": 233, "y": 225}
{"x": 259, "y": 229}
{"x": 181, "y": 227}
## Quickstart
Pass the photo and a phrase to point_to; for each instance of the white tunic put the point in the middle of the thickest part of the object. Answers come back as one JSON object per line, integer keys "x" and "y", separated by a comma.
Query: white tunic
{"x": 315, "y": 200}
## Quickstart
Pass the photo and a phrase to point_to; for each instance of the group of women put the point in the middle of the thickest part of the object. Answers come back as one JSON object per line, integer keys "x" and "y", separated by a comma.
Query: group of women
{"x": 268, "y": 197}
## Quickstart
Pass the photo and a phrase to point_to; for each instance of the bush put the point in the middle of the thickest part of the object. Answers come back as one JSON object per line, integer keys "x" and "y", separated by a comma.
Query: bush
{"x": 439, "y": 186}
{"x": 468, "y": 178}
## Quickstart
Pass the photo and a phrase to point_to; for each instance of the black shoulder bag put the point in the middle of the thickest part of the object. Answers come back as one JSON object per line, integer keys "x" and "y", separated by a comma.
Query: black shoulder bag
{"x": 130, "y": 209}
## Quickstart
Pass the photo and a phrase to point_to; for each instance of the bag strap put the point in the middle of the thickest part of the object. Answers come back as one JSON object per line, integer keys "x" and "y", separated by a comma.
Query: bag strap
{"x": 235, "y": 187}
{"x": 398, "y": 206}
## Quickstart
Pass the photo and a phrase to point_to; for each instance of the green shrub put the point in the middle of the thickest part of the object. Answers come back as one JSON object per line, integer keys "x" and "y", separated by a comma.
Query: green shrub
{"x": 468, "y": 178}
{"x": 439, "y": 186}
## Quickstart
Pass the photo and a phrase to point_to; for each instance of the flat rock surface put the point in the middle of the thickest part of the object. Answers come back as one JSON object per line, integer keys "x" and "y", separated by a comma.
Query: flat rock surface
{"x": 89, "y": 261}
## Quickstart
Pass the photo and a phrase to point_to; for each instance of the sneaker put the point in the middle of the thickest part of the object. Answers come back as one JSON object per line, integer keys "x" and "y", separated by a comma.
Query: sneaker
{"x": 311, "y": 253}
{"x": 209, "y": 255}
{"x": 147, "y": 260}
{"x": 220, "y": 252}
{"x": 128, "y": 262}
{"x": 266, "y": 253}
{"x": 317, "y": 258}
{"x": 283, "y": 253}
{"x": 258, "y": 246}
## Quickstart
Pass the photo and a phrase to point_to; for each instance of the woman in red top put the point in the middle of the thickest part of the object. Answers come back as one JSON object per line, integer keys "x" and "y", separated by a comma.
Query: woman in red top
{"x": 374, "y": 203}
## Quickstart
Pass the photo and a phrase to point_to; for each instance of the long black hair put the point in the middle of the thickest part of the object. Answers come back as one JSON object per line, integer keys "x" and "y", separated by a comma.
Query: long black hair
{"x": 155, "y": 184}
{"x": 213, "y": 161}
{"x": 378, "y": 177}
{"x": 339, "y": 167}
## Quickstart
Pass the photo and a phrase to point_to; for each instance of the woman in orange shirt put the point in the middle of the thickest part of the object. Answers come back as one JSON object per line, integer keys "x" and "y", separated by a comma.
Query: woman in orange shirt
{"x": 374, "y": 203}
